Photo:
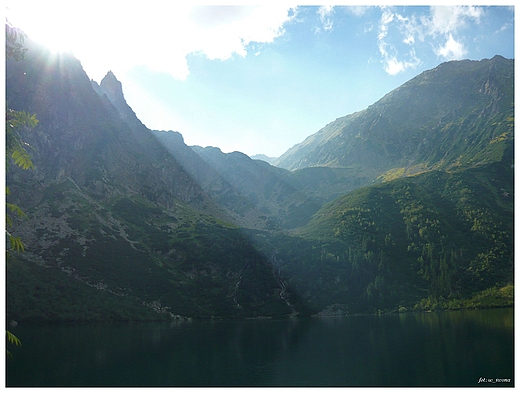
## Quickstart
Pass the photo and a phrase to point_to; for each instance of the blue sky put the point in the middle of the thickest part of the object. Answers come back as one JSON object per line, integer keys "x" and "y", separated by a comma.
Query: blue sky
{"x": 260, "y": 79}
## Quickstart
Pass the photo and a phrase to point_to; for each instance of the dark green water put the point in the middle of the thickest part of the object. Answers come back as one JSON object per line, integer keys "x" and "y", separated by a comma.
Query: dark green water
{"x": 432, "y": 349}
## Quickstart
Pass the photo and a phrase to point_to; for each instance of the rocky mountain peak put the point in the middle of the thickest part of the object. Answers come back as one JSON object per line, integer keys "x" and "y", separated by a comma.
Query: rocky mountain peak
{"x": 112, "y": 88}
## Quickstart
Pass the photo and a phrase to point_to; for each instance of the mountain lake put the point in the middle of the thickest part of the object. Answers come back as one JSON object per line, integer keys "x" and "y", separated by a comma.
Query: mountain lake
{"x": 457, "y": 348}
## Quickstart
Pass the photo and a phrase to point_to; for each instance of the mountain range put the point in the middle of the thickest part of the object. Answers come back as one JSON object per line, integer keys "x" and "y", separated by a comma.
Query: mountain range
{"x": 405, "y": 205}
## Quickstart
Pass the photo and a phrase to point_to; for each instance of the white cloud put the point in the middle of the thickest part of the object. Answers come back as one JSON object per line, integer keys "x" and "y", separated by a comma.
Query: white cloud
{"x": 451, "y": 50}
{"x": 386, "y": 19}
{"x": 389, "y": 53}
{"x": 448, "y": 20}
{"x": 409, "y": 40}
{"x": 357, "y": 10}
{"x": 393, "y": 66}
{"x": 157, "y": 34}
{"x": 442, "y": 28}
{"x": 325, "y": 13}
{"x": 505, "y": 27}
{"x": 221, "y": 31}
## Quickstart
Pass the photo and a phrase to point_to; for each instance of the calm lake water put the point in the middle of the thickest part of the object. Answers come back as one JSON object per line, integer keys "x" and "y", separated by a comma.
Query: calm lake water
{"x": 431, "y": 349}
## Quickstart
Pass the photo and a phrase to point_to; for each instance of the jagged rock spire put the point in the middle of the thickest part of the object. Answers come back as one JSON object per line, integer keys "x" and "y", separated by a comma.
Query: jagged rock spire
{"x": 112, "y": 88}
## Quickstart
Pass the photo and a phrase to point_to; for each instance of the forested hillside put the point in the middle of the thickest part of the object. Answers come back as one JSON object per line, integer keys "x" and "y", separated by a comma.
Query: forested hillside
{"x": 429, "y": 240}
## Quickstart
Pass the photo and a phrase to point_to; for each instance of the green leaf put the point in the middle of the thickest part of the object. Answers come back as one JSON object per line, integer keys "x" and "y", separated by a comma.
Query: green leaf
{"x": 15, "y": 209}
{"x": 15, "y": 148}
{"x": 16, "y": 243}
{"x": 17, "y": 119}
{"x": 22, "y": 159}
{"x": 12, "y": 338}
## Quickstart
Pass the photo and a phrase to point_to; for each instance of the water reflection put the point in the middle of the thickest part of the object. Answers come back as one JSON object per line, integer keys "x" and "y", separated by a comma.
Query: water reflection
{"x": 435, "y": 349}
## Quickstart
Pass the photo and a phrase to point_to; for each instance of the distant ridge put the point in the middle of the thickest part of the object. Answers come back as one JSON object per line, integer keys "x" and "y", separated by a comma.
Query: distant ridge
{"x": 265, "y": 158}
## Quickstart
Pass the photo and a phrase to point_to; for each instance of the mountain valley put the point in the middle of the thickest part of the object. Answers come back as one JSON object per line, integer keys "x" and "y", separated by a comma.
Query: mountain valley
{"x": 407, "y": 205}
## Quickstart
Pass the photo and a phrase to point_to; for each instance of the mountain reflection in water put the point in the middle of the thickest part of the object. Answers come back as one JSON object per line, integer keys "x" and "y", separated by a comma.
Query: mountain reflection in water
{"x": 428, "y": 349}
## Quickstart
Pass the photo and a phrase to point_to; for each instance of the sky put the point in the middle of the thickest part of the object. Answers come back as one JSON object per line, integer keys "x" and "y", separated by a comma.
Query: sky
{"x": 259, "y": 79}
